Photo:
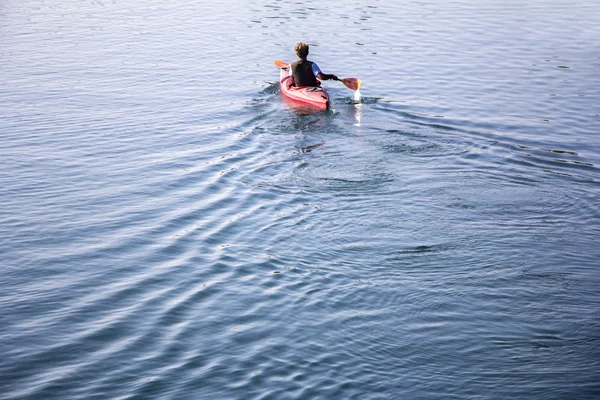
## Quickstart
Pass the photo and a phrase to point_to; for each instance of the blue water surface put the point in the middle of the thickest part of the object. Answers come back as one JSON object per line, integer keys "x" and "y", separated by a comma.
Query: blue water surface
{"x": 171, "y": 228}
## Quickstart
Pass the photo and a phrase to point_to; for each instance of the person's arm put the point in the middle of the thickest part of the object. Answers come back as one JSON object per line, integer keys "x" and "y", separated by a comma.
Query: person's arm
{"x": 321, "y": 75}
{"x": 326, "y": 77}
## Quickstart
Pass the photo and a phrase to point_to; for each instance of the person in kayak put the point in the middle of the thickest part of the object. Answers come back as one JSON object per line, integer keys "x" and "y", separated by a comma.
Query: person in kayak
{"x": 306, "y": 73}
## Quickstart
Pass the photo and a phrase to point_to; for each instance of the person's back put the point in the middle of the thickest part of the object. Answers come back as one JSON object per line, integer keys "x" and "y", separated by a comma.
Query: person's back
{"x": 302, "y": 72}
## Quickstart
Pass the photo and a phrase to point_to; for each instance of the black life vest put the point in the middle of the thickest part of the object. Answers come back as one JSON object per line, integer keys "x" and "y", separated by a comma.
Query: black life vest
{"x": 303, "y": 74}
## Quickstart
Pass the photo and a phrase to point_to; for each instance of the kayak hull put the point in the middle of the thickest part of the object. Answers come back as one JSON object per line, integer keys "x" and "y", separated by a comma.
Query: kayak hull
{"x": 315, "y": 97}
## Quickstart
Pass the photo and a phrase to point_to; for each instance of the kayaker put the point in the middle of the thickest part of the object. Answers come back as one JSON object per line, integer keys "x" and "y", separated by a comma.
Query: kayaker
{"x": 306, "y": 73}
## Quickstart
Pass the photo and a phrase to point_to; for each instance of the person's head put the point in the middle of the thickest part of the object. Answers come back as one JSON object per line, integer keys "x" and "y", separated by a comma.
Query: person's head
{"x": 301, "y": 49}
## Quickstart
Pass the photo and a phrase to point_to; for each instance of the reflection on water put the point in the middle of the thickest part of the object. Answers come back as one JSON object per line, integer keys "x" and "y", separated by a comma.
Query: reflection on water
{"x": 358, "y": 113}
{"x": 357, "y": 100}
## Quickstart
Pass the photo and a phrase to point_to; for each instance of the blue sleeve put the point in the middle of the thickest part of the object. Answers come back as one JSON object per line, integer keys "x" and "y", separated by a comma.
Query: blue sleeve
{"x": 316, "y": 69}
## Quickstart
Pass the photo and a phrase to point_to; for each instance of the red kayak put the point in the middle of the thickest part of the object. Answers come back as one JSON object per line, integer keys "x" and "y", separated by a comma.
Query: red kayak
{"x": 314, "y": 96}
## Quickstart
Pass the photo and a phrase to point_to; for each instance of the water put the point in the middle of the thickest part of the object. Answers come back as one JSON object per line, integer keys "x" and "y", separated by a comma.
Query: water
{"x": 172, "y": 228}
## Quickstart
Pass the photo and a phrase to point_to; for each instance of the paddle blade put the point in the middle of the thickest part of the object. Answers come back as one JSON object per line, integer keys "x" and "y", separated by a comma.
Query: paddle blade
{"x": 352, "y": 83}
{"x": 281, "y": 64}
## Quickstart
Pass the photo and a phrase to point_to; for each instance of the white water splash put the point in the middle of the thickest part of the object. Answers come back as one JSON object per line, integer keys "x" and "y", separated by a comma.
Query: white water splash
{"x": 357, "y": 97}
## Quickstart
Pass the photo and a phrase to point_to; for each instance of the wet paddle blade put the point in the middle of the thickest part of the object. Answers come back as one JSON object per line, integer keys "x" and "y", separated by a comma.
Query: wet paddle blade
{"x": 281, "y": 64}
{"x": 352, "y": 83}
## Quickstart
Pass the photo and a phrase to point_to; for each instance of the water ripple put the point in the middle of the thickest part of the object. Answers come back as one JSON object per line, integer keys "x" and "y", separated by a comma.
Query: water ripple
{"x": 172, "y": 228}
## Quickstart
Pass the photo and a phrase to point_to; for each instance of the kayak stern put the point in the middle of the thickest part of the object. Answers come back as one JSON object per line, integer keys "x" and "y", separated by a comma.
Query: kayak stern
{"x": 308, "y": 95}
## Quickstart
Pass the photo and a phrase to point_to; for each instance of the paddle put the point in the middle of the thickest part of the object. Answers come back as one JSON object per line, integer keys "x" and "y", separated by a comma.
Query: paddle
{"x": 281, "y": 64}
{"x": 351, "y": 83}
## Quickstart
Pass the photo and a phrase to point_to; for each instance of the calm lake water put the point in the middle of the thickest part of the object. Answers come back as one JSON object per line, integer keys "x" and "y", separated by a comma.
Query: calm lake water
{"x": 171, "y": 228}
